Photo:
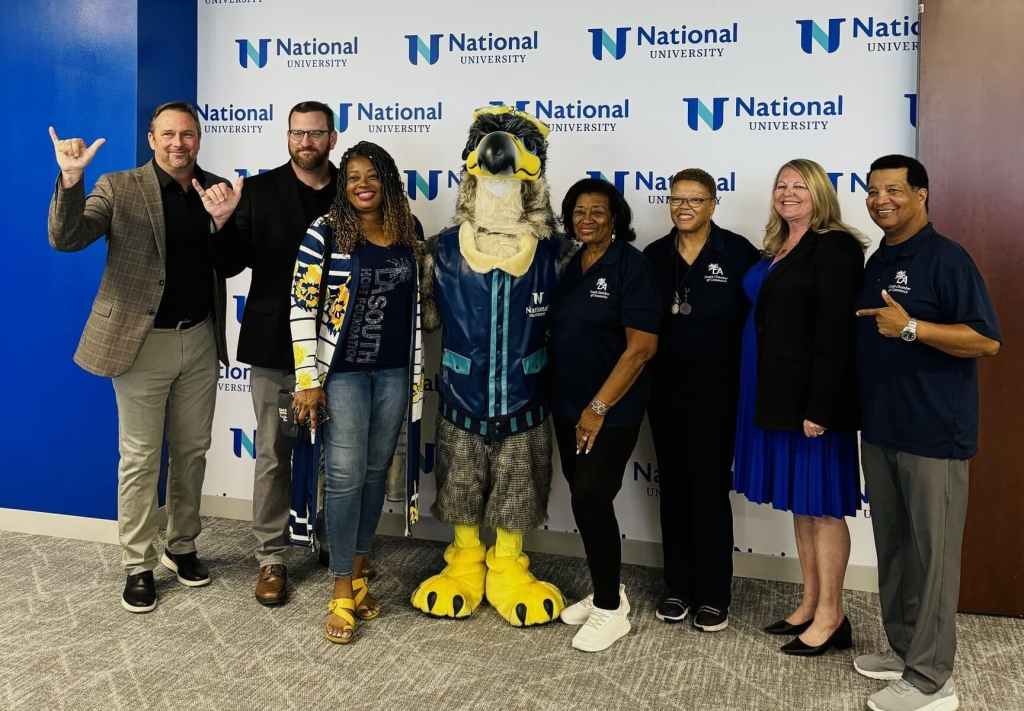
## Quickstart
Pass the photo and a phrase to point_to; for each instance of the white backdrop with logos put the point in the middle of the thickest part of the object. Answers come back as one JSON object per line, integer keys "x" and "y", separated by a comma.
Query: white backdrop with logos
{"x": 632, "y": 92}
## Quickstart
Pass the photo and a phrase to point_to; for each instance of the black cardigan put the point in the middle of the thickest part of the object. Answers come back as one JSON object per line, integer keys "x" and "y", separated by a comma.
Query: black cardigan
{"x": 805, "y": 336}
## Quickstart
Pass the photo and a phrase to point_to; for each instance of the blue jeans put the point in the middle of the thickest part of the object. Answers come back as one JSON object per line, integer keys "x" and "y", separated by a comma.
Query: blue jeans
{"x": 367, "y": 409}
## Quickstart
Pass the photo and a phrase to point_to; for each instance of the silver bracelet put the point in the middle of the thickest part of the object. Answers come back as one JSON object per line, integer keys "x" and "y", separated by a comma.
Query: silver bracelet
{"x": 599, "y": 407}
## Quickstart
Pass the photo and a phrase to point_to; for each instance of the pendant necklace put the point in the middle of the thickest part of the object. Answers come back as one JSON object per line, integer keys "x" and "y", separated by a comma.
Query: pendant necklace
{"x": 680, "y": 306}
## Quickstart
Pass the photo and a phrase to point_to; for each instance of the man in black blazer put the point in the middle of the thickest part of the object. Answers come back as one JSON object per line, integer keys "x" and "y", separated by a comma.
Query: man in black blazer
{"x": 272, "y": 214}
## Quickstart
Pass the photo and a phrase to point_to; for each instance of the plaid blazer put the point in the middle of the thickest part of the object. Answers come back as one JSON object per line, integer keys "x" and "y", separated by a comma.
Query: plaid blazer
{"x": 126, "y": 207}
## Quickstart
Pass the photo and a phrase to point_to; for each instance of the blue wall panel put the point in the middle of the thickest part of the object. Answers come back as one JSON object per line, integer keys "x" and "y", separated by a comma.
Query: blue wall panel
{"x": 75, "y": 66}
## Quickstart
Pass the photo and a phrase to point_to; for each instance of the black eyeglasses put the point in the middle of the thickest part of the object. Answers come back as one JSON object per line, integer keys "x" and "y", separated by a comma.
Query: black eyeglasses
{"x": 694, "y": 202}
{"x": 297, "y": 134}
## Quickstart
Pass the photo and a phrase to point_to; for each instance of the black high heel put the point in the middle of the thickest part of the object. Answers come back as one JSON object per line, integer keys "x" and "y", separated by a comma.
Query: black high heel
{"x": 842, "y": 638}
{"x": 783, "y": 627}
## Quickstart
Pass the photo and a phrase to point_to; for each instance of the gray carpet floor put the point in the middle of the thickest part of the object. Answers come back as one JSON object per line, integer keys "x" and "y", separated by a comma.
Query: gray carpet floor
{"x": 65, "y": 643}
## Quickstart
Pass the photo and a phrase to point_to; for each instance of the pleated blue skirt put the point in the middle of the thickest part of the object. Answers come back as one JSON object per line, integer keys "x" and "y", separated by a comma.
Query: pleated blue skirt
{"x": 810, "y": 476}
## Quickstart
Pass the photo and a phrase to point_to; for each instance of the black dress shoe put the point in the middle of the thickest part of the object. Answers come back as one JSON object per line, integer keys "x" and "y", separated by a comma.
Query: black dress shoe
{"x": 191, "y": 571}
{"x": 139, "y": 593}
{"x": 783, "y": 627}
{"x": 842, "y": 638}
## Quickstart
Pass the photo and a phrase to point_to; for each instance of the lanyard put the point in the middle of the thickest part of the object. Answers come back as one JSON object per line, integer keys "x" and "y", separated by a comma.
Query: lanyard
{"x": 682, "y": 306}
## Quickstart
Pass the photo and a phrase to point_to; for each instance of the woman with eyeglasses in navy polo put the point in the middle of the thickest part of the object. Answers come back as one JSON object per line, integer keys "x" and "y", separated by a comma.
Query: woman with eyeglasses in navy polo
{"x": 604, "y": 325}
{"x": 699, "y": 268}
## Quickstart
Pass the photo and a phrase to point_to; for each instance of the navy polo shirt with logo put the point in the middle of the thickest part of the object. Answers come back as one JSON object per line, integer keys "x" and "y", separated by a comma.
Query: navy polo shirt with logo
{"x": 700, "y": 351}
{"x": 916, "y": 398}
{"x": 590, "y": 313}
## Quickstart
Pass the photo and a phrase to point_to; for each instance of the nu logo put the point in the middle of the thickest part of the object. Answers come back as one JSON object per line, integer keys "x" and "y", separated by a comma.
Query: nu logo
{"x": 912, "y": 99}
{"x": 538, "y": 298}
{"x": 619, "y": 181}
{"x": 242, "y": 442}
{"x": 810, "y": 32}
{"x": 341, "y": 118}
{"x": 601, "y": 42}
{"x": 697, "y": 111}
{"x": 245, "y": 172}
{"x": 257, "y": 53}
{"x": 418, "y": 48}
{"x": 519, "y": 105}
{"x": 239, "y": 306}
{"x": 425, "y": 186}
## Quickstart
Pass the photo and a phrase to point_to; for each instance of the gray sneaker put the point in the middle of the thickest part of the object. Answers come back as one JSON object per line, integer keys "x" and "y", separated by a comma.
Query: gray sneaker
{"x": 886, "y": 665}
{"x": 901, "y": 695}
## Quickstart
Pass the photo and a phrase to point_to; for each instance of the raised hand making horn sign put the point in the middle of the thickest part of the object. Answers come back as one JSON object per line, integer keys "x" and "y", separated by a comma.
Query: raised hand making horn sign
{"x": 73, "y": 156}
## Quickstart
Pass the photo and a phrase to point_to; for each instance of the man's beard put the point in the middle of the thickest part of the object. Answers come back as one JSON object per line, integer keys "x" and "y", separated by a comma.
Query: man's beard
{"x": 309, "y": 161}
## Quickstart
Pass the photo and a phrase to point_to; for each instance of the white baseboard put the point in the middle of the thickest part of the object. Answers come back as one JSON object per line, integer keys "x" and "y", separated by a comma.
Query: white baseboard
{"x": 646, "y": 553}
{"x": 80, "y": 528}
{"x": 745, "y": 565}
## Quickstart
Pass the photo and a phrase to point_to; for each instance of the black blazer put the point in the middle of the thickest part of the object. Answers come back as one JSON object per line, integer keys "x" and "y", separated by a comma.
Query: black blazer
{"x": 805, "y": 336}
{"x": 270, "y": 223}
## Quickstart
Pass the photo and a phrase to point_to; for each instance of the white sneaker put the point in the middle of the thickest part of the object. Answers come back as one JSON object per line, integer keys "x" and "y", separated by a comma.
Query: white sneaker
{"x": 884, "y": 665}
{"x": 579, "y": 612}
{"x": 901, "y": 695}
{"x": 603, "y": 629}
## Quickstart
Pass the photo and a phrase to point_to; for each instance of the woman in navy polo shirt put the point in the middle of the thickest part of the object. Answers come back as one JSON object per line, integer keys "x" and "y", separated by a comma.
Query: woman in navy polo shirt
{"x": 604, "y": 324}
{"x": 699, "y": 268}
{"x": 796, "y": 431}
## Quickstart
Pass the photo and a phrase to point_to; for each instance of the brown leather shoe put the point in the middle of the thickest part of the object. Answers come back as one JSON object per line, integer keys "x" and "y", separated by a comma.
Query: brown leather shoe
{"x": 272, "y": 585}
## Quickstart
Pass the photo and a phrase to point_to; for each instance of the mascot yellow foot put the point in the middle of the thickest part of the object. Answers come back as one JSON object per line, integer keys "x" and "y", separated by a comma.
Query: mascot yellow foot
{"x": 458, "y": 589}
{"x": 511, "y": 588}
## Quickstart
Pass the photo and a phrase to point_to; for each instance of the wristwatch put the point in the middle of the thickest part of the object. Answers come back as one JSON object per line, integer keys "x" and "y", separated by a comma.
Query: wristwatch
{"x": 909, "y": 332}
{"x": 599, "y": 407}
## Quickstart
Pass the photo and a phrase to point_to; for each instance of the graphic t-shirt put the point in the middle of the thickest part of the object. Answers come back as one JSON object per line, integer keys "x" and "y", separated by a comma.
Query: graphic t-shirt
{"x": 379, "y": 333}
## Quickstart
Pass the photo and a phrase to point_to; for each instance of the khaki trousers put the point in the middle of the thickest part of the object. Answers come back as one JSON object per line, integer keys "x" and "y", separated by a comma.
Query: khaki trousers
{"x": 170, "y": 390}
{"x": 272, "y": 479}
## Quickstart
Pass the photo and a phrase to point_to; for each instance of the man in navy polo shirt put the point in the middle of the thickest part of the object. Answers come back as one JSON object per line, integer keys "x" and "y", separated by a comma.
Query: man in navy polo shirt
{"x": 925, "y": 317}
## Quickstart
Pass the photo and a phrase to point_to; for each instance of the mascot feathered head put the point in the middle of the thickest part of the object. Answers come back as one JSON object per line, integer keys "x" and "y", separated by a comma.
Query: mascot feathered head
{"x": 507, "y": 146}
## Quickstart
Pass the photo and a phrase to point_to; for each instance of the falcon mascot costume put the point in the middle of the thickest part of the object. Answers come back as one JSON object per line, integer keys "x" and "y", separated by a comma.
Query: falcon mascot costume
{"x": 494, "y": 273}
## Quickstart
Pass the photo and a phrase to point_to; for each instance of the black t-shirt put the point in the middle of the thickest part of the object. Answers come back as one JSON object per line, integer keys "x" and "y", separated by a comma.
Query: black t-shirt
{"x": 316, "y": 203}
{"x": 381, "y": 321}
{"x": 699, "y": 342}
{"x": 188, "y": 293}
{"x": 916, "y": 398}
{"x": 589, "y": 316}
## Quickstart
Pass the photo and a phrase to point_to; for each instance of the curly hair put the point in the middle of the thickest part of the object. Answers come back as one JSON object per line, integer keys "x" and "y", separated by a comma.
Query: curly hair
{"x": 399, "y": 223}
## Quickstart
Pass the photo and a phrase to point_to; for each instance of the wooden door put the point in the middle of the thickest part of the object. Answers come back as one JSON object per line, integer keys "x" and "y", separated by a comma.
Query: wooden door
{"x": 971, "y": 139}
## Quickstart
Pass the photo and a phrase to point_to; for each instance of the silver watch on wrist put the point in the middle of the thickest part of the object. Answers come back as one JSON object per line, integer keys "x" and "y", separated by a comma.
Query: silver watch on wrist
{"x": 909, "y": 332}
{"x": 599, "y": 407}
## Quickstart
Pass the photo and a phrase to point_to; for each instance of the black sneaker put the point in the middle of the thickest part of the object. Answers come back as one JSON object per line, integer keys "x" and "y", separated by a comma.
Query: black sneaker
{"x": 191, "y": 571}
{"x": 139, "y": 593}
{"x": 672, "y": 609}
{"x": 711, "y": 619}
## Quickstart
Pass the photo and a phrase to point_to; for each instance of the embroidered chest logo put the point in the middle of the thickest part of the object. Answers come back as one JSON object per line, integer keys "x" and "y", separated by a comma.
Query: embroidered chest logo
{"x": 715, "y": 274}
{"x": 537, "y": 307}
{"x": 901, "y": 283}
{"x": 600, "y": 290}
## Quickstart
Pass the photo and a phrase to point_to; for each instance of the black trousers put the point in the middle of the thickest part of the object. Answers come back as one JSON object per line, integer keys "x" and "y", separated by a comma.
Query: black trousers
{"x": 594, "y": 480}
{"x": 694, "y": 445}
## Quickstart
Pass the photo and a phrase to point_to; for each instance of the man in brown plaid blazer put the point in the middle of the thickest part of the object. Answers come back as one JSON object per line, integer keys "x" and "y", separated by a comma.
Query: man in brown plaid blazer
{"x": 156, "y": 328}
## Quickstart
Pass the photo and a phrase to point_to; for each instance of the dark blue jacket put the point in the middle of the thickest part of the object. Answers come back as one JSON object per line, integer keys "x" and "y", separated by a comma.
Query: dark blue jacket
{"x": 494, "y": 360}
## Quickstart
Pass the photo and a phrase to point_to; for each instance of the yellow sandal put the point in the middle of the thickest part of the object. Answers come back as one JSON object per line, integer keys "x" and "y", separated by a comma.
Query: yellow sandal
{"x": 342, "y": 607}
{"x": 359, "y": 591}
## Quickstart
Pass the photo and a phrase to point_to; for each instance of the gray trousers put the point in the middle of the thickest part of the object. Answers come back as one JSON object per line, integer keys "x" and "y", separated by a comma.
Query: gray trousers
{"x": 272, "y": 480}
{"x": 171, "y": 389}
{"x": 918, "y": 510}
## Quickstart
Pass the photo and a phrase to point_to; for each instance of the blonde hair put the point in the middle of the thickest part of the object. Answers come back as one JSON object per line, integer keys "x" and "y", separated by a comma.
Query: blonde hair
{"x": 825, "y": 213}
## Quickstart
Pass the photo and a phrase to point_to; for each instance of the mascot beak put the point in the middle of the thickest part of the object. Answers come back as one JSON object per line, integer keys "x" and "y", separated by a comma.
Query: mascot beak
{"x": 501, "y": 154}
